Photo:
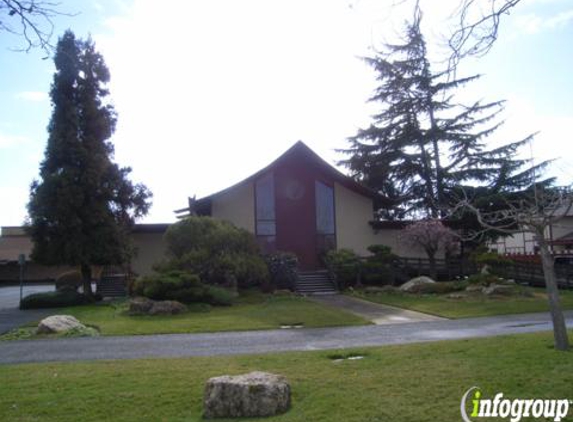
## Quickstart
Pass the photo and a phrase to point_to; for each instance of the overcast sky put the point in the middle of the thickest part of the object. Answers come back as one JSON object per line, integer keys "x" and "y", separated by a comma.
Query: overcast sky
{"x": 208, "y": 92}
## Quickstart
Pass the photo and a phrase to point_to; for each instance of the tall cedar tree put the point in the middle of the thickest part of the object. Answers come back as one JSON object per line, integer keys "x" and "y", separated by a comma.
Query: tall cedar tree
{"x": 422, "y": 145}
{"x": 82, "y": 208}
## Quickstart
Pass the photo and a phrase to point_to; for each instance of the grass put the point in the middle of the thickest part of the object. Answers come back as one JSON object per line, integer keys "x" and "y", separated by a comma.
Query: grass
{"x": 471, "y": 306}
{"x": 417, "y": 382}
{"x": 253, "y": 311}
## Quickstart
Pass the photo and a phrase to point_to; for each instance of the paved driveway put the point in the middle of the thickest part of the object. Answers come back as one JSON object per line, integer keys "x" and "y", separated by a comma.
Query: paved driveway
{"x": 233, "y": 343}
{"x": 10, "y": 296}
{"x": 10, "y": 315}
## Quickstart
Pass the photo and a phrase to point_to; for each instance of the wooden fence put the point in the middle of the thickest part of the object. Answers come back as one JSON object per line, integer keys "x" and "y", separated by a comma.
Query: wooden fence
{"x": 523, "y": 272}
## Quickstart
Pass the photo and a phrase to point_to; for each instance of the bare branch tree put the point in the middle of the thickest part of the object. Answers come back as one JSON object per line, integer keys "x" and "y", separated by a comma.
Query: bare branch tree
{"x": 534, "y": 212}
{"x": 477, "y": 28}
{"x": 31, "y": 20}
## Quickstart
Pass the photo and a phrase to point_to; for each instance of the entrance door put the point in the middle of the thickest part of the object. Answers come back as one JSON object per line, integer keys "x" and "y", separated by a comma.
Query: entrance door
{"x": 295, "y": 214}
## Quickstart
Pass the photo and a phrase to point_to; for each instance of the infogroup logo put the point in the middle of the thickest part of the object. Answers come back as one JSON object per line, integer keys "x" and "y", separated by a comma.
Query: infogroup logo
{"x": 512, "y": 409}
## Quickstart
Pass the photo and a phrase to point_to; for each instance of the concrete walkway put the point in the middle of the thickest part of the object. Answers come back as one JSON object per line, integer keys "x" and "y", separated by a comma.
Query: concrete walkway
{"x": 377, "y": 313}
{"x": 269, "y": 341}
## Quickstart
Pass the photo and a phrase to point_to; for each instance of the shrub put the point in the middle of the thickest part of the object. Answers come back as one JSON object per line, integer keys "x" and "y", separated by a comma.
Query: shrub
{"x": 217, "y": 251}
{"x": 56, "y": 299}
{"x": 498, "y": 264}
{"x": 441, "y": 287}
{"x": 345, "y": 264}
{"x": 218, "y": 296}
{"x": 378, "y": 270}
{"x": 70, "y": 280}
{"x": 283, "y": 270}
{"x": 381, "y": 253}
{"x": 180, "y": 286}
{"x": 483, "y": 279}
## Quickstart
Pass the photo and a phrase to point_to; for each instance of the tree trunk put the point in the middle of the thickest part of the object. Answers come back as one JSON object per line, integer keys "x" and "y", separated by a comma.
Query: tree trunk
{"x": 559, "y": 327}
{"x": 87, "y": 279}
{"x": 433, "y": 270}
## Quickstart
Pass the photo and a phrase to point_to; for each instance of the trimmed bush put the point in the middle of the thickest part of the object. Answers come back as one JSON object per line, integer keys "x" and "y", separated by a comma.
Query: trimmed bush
{"x": 58, "y": 299}
{"x": 345, "y": 264}
{"x": 283, "y": 270}
{"x": 217, "y": 296}
{"x": 217, "y": 251}
{"x": 70, "y": 280}
{"x": 377, "y": 269}
{"x": 181, "y": 286}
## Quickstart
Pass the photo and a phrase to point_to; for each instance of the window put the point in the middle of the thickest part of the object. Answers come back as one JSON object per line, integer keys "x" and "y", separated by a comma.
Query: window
{"x": 324, "y": 208}
{"x": 325, "y": 223}
{"x": 265, "y": 212}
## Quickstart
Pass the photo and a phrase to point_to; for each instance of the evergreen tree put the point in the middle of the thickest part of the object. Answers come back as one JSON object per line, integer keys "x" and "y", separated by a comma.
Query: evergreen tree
{"x": 422, "y": 146}
{"x": 82, "y": 208}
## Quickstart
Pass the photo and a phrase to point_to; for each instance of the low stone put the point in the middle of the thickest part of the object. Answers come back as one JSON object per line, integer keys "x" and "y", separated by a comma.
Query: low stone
{"x": 456, "y": 296}
{"x": 410, "y": 286}
{"x": 499, "y": 290}
{"x": 167, "y": 307}
{"x": 58, "y": 324}
{"x": 256, "y": 394}
{"x": 474, "y": 288}
{"x": 140, "y": 305}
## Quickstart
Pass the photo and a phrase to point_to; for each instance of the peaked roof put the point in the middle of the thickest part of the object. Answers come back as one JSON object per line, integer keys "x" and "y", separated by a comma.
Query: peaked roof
{"x": 299, "y": 151}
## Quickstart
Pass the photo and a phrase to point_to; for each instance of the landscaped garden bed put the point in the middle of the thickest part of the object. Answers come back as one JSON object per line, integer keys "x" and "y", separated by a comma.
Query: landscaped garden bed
{"x": 252, "y": 310}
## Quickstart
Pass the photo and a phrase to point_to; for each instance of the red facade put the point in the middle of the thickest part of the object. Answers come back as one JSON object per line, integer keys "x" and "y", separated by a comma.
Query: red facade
{"x": 294, "y": 205}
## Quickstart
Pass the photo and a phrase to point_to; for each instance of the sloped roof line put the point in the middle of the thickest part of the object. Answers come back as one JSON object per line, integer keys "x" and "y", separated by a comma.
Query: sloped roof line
{"x": 298, "y": 148}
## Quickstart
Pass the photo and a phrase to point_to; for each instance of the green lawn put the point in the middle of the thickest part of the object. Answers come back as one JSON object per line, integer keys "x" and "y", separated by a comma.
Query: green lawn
{"x": 410, "y": 383}
{"x": 473, "y": 306}
{"x": 253, "y": 311}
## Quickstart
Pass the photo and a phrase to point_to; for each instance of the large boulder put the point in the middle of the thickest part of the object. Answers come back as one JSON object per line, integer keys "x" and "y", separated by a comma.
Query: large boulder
{"x": 412, "y": 285}
{"x": 145, "y": 306}
{"x": 58, "y": 324}
{"x": 140, "y": 305}
{"x": 499, "y": 290}
{"x": 474, "y": 288}
{"x": 167, "y": 307}
{"x": 255, "y": 394}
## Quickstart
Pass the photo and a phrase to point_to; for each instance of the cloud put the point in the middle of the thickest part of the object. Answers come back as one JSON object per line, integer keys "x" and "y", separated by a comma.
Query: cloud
{"x": 533, "y": 23}
{"x": 8, "y": 141}
{"x": 35, "y": 96}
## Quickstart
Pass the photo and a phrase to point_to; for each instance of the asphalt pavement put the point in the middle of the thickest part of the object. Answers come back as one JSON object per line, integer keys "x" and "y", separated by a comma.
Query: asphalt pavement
{"x": 269, "y": 341}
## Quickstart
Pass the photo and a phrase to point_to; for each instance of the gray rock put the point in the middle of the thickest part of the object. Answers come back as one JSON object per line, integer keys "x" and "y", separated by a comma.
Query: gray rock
{"x": 410, "y": 286}
{"x": 474, "y": 288}
{"x": 499, "y": 290}
{"x": 140, "y": 305}
{"x": 254, "y": 394}
{"x": 167, "y": 307}
{"x": 58, "y": 324}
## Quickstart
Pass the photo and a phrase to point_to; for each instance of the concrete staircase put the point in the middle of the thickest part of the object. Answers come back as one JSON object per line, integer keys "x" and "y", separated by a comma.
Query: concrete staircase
{"x": 315, "y": 283}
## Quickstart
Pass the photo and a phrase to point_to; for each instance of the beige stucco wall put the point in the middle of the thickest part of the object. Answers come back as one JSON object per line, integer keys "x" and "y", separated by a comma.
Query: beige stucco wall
{"x": 150, "y": 248}
{"x": 236, "y": 206}
{"x": 353, "y": 213}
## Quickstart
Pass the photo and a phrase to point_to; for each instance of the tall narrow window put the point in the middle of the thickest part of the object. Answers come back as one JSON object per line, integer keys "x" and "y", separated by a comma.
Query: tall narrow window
{"x": 324, "y": 208}
{"x": 325, "y": 223}
{"x": 265, "y": 209}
